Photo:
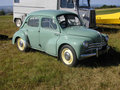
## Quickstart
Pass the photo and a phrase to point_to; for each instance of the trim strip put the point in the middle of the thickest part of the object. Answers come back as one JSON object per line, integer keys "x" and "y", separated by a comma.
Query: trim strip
{"x": 20, "y": 12}
{"x": 27, "y": 6}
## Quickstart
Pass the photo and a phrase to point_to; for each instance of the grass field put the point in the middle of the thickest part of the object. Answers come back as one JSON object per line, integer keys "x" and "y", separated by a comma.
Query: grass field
{"x": 107, "y": 11}
{"x": 38, "y": 71}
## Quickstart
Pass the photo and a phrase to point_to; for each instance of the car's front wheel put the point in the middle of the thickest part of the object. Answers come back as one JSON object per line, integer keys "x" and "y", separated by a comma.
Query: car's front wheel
{"x": 68, "y": 56}
{"x": 22, "y": 45}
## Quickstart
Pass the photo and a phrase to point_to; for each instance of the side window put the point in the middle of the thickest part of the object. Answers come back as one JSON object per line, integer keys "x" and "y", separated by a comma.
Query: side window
{"x": 16, "y": 1}
{"x": 63, "y": 3}
{"x": 70, "y": 4}
{"x": 33, "y": 22}
{"x": 48, "y": 23}
{"x": 67, "y": 4}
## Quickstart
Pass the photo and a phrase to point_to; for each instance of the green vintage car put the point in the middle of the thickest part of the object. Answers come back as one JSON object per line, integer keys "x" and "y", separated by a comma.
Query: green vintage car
{"x": 60, "y": 34}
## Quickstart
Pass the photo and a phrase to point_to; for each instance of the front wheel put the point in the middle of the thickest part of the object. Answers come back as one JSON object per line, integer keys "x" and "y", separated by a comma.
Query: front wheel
{"x": 68, "y": 56}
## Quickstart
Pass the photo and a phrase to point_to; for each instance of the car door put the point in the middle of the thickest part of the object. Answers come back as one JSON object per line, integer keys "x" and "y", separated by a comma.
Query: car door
{"x": 49, "y": 34}
{"x": 33, "y": 31}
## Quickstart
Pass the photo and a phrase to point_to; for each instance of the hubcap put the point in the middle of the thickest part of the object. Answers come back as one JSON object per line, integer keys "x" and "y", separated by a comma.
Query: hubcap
{"x": 18, "y": 23}
{"x": 21, "y": 43}
{"x": 67, "y": 55}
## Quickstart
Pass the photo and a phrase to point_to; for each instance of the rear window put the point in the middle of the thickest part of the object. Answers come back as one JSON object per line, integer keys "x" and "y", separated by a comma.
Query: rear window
{"x": 33, "y": 22}
{"x": 66, "y": 4}
{"x": 16, "y": 1}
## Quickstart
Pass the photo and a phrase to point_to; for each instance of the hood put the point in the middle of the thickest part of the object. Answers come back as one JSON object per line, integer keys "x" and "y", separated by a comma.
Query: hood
{"x": 81, "y": 31}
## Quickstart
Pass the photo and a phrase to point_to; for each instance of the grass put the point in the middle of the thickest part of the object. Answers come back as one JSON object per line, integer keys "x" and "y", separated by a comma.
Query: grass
{"x": 38, "y": 71}
{"x": 107, "y": 11}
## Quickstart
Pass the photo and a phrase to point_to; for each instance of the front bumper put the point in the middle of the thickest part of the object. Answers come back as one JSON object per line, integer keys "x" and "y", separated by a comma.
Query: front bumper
{"x": 97, "y": 53}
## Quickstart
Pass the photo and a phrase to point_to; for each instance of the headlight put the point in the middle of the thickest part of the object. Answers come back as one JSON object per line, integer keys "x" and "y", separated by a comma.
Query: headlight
{"x": 106, "y": 38}
{"x": 85, "y": 44}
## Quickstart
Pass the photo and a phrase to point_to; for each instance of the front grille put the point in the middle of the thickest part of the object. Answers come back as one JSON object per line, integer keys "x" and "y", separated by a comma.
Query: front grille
{"x": 96, "y": 45}
{"x": 93, "y": 46}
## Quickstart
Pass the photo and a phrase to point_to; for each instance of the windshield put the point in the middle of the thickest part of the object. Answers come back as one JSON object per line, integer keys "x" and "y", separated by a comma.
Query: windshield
{"x": 68, "y": 20}
{"x": 83, "y": 3}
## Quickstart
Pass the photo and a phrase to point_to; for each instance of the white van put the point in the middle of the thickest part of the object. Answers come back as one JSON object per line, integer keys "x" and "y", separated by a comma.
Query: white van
{"x": 22, "y": 7}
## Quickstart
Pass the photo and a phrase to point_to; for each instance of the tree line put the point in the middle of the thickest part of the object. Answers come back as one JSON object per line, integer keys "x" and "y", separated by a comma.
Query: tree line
{"x": 2, "y": 12}
{"x": 106, "y": 6}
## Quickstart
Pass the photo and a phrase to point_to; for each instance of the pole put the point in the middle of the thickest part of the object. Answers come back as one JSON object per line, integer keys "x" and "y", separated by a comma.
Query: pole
{"x": 88, "y": 3}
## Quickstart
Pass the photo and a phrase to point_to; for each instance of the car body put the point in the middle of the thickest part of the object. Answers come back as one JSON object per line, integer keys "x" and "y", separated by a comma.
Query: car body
{"x": 60, "y": 34}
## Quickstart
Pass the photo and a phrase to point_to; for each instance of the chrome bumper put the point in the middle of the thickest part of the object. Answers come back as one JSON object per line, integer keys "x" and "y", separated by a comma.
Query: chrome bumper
{"x": 98, "y": 52}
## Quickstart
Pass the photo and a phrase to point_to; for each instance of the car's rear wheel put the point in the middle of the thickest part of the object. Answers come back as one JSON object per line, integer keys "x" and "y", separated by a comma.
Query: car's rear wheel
{"x": 18, "y": 22}
{"x": 22, "y": 45}
{"x": 68, "y": 56}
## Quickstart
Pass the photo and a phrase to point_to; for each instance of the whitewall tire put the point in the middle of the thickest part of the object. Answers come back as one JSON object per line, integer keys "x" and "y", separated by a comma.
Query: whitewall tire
{"x": 68, "y": 56}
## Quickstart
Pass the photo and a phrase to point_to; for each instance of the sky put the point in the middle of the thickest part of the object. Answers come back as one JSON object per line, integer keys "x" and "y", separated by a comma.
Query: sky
{"x": 107, "y": 2}
{"x": 6, "y": 2}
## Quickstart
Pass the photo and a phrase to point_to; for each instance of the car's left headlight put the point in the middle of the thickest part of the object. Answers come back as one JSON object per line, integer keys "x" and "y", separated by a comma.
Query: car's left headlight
{"x": 106, "y": 38}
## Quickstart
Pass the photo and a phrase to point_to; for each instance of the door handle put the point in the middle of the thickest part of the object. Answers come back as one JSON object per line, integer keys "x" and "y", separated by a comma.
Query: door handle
{"x": 57, "y": 34}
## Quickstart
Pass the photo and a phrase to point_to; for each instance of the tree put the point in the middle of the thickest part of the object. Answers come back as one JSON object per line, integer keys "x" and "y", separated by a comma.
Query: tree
{"x": 2, "y": 12}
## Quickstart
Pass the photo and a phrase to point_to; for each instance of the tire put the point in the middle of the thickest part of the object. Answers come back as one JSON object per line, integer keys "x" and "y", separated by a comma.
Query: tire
{"x": 68, "y": 56}
{"x": 18, "y": 22}
{"x": 22, "y": 45}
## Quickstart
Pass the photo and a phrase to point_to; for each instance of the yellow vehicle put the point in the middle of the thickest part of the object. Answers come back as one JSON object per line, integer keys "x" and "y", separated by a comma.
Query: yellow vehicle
{"x": 108, "y": 18}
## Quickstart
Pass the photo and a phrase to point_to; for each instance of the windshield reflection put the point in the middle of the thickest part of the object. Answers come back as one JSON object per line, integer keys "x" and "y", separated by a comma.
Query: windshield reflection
{"x": 68, "y": 20}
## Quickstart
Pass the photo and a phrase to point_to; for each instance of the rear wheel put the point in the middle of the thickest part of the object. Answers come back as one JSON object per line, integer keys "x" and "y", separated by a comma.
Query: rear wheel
{"x": 22, "y": 45}
{"x": 18, "y": 22}
{"x": 68, "y": 56}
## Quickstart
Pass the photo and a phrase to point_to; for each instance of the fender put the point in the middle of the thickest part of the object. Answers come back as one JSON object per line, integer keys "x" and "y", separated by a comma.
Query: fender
{"x": 20, "y": 34}
{"x": 73, "y": 42}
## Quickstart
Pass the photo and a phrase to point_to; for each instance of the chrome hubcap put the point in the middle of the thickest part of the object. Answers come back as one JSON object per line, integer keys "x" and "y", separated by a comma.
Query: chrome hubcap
{"x": 67, "y": 56}
{"x": 21, "y": 44}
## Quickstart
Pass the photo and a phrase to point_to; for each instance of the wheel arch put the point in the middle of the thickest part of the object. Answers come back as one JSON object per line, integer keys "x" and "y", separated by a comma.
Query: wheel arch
{"x": 77, "y": 46}
{"x": 60, "y": 49}
{"x": 16, "y": 39}
{"x": 26, "y": 39}
{"x": 22, "y": 35}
